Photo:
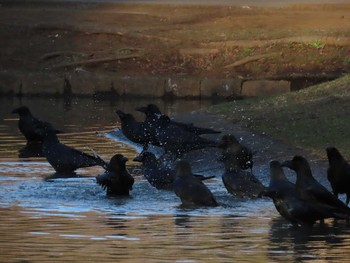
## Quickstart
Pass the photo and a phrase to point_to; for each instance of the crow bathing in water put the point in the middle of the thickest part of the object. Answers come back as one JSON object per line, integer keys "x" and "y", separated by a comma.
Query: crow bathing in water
{"x": 338, "y": 173}
{"x": 298, "y": 207}
{"x": 116, "y": 179}
{"x": 231, "y": 146}
{"x": 238, "y": 182}
{"x": 133, "y": 130}
{"x": 190, "y": 189}
{"x": 65, "y": 159}
{"x": 157, "y": 174}
{"x": 153, "y": 114}
{"x": 307, "y": 183}
{"x": 32, "y": 128}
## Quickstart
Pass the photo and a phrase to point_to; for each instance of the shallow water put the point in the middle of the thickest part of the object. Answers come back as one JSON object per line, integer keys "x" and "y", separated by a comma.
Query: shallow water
{"x": 43, "y": 218}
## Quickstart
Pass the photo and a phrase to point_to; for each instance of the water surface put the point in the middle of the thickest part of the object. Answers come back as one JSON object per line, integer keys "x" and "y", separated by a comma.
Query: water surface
{"x": 44, "y": 218}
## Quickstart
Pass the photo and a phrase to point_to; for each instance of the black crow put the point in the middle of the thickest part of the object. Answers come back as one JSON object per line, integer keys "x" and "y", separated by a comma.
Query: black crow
{"x": 231, "y": 146}
{"x": 238, "y": 182}
{"x": 190, "y": 189}
{"x": 338, "y": 173}
{"x": 153, "y": 114}
{"x": 65, "y": 159}
{"x": 157, "y": 174}
{"x": 116, "y": 178}
{"x": 32, "y": 128}
{"x": 133, "y": 130}
{"x": 178, "y": 141}
{"x": 306, "y": 182}
{"x": 299, "y": 208}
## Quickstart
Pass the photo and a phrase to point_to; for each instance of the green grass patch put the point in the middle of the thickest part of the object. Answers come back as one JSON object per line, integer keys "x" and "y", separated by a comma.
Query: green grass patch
{"x": 312, "y": 118}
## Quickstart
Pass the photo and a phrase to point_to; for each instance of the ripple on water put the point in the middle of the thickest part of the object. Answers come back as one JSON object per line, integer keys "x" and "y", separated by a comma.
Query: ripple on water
{"x": 45, "y": 218}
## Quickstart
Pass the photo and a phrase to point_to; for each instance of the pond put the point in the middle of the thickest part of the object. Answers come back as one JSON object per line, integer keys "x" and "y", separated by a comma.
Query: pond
{"x": 43, "y": 218}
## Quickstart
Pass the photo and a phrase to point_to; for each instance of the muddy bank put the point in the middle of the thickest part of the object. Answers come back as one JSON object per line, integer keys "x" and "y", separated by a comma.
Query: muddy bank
{"x": 165, "y": 50}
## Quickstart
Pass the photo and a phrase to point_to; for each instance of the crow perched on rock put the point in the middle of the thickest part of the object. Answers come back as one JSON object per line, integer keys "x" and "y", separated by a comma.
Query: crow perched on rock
{"x": 32, "y": 128}
{"x": 157, "y": 174}
{"x": 307, "y": 183}
{"x": 190, "y": 189}
{"x": 338, "y": 173}
{"x": 231, "y": 146}
{"x": 116, "y": 179}
{"x": 298, "y": 207}
{"x": 239, "y": 182}
{"x": 65, "y": 159}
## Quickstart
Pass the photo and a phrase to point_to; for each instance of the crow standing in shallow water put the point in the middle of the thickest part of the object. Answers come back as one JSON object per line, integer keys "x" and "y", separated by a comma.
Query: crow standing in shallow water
{"x": 65, "y": 159}
{"x": 116, "y": 179}
{"x": 307, "y": 183}
{"x": 338, "y": 173}
{"x": 133, "y": 130}
{"x": 190, "y": 189}
{"x": 231, "y": 146}
{"x": 177, "y": 141}
{"x": 32, "y": 128}
{"x": 299, "y": 208}
{"x": 175, "y": 137}
{"x": 153, "y": 114}
{"x": 238, "y": 182}
{"x": 157, "y": 174}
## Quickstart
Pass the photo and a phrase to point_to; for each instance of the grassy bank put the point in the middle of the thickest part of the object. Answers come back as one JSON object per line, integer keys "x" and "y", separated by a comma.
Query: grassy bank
{"x": 313, "y": 118}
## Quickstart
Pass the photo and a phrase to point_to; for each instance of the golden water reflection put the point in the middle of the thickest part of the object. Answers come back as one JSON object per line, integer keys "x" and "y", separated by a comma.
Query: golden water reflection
{"x": 49, "y": 219}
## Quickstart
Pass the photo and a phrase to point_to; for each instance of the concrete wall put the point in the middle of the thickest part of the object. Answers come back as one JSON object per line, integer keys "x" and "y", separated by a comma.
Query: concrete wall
{"x": 87, "y": 83}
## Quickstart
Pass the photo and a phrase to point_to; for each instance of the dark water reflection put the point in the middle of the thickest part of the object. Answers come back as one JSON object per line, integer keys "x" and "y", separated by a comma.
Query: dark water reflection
{"x": 45, "y": 218}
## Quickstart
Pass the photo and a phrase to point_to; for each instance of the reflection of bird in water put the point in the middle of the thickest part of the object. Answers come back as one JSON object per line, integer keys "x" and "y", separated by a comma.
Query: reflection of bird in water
{"x": 190, "y": 189}
{"x": 307, "y": 183}
{"x": 232, "y": 147}
{"x": 158, "y": 174}
{"x": 239, "y": 182}
{"x": 338, "y": 173}
{"x": 291, "y": 244}
{"x": 65, "y": 159}
{"x": 116, "y": 180}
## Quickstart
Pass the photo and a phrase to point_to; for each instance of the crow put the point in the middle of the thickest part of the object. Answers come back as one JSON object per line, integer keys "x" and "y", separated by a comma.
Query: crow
{"x": 133, "y": 130}
{"x": 231, "y": 146}
{"x": 298, "y": 207}
{"x": 32, "y": 128}
{"x": 153, "y": 114}
{"x": 307, "y": 183}
{"x": 238, "y": 182}
{"x": 159, "y": 175}
{"x": 190, "y": 189}
{"x": 338, "y": 173}
{"x": 176, "y": 140}
{"x": 116, "y": 179}
{"x": 65, "y": 159}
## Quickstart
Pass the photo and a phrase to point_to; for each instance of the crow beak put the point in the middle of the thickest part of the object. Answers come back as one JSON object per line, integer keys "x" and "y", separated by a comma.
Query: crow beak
{"x": 125, "y": 159}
